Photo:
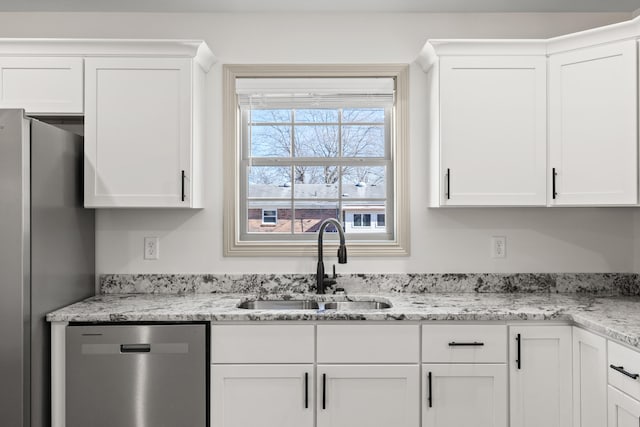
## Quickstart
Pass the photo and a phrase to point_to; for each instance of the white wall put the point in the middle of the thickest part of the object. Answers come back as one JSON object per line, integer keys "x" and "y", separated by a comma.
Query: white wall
{"x": 538, "y": 240}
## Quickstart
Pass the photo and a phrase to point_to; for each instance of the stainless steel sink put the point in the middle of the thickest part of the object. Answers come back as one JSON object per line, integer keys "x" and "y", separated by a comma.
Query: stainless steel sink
{"x": 357, "y": 305}
{"x": 279, "y": 305}
{"x": 313, "y": 305}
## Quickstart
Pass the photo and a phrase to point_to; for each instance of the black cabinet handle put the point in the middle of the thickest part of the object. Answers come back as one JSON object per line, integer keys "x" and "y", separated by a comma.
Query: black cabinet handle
{"x": 430, "y": 391}
{"x": 306, "y": 390}
{"x": 448, "y": 177}
{"x": 623, "y": 372}
{"x": 553, "y": 183}
{"x": 135, "y": 348}
{"x": 465, "y": 344}
{"x": 519, "y": 356}
{"x": 324, "y": 391}
{"x": 183, "y": 176}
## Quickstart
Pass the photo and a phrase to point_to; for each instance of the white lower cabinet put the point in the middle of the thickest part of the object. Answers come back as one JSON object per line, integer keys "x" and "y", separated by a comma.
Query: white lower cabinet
{"x": 262, "y": 395}
{"x": 624, "y": 411}
{"x": 368, "y": 395}
{"x": 464, "y": 395}
{"x": 540, "y": 376}
{"x": 589, "y": 379}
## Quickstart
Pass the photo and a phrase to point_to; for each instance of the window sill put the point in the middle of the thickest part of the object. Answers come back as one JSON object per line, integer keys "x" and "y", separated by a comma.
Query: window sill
{"x": 269, "y": 249}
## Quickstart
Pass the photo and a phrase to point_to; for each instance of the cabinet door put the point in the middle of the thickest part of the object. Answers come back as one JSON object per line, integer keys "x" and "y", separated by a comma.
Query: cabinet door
{"x": 262, "y": 395}
{"x": 624, "y": 411}
{"x": 589, "y": 379}
{"x": 138, "y": 132}
{"x": 540, "y": 376}
{"x": 493, "y": 130}
{"x": 464, "y": 395}
{"x": 593, "y": 118}
{"x": 42, "y": 85}
{"x": 368, "y": 395}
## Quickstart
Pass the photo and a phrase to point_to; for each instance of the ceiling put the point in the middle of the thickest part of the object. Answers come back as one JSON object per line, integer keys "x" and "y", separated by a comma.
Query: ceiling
{"x": 432, "y": 6}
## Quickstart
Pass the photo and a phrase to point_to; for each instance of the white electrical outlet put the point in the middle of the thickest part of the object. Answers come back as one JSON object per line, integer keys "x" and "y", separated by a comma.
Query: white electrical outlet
{"x": 498, "y": 247}
{"x": 151, "y": 248}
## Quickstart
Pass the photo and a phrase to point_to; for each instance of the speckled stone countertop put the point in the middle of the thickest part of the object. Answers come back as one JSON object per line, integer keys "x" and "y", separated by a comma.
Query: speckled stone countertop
{"x": 617, "y": 317}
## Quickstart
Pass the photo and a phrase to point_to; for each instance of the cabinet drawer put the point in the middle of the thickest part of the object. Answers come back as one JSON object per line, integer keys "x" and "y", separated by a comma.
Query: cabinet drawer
{"x": 368, "y": 344}
{"x": 629, "y": 360}
{"x": 42, "y": 85}
{"x": 262, "y": 344}
{"x": 464, "y": 343}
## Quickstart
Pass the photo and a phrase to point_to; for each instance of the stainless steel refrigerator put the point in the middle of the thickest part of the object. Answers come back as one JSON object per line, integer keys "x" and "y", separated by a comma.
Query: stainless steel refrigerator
{"x": 46, "y": 256}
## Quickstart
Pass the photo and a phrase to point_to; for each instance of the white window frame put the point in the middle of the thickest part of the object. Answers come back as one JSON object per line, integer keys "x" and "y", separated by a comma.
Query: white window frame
{"x": 274, "y": 216}
{"x": 234, "y": 245}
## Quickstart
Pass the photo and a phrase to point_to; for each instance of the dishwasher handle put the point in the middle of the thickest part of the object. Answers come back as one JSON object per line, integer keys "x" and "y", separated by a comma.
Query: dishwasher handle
{"x": 135, "y": 348}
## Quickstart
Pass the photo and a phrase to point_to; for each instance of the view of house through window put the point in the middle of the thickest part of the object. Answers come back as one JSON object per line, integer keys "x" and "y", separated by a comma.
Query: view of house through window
{"x": 313, "y": 149}
{"x": 335, "y": 168}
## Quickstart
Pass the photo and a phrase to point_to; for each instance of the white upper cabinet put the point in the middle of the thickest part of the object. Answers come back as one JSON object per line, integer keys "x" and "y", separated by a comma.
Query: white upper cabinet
{"x": 492, "y": 131}
{"x": 534, "y": 122}
{"x": 593, "y": 120}
{"x": 143, "y": 103}
{"x": 144, "y": 121}
{"x": 138, "y": 133}
{"x": 42, "y": 86}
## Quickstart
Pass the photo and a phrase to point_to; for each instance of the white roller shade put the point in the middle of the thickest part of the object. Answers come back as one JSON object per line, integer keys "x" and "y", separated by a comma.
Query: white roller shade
{"x": 315, "y": 92}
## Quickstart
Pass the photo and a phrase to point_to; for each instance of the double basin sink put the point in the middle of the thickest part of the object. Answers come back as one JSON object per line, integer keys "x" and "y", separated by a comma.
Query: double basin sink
{"x": 314, "y": 304}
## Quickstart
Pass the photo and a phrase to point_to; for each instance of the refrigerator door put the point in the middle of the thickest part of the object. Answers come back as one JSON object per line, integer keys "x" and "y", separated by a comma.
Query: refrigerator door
{"x": 62, "y": 246}
{"x": 46, "y": 256}
{"x": 14, "y": 268}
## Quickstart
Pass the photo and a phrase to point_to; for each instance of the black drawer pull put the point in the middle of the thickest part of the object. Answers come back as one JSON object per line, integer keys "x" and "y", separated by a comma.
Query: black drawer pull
{"x": 448, "y": 176}
{"x": 182, "y": 183}
{"x": 465, "y": 344}
{"x": 306, "y": 390}
{"x": 623, "y": 372}
{"x": 430, "y": 395}
{"x": 324, "y": 391}
{"x": 519, "y": 357}
{"x": 135, "y": 348}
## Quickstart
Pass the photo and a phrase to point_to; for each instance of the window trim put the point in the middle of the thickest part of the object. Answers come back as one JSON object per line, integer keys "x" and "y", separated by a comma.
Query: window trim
{"x": 233, "y": 246}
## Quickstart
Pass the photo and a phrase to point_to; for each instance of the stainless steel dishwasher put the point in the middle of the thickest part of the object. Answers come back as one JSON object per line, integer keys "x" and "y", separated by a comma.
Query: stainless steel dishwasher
{"x": 150, "y": 375}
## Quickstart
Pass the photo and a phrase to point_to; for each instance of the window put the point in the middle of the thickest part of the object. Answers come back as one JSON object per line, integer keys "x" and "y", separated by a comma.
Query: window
{"x": 306, "y": 143}
{"x": 269, "y": 217}
{"x": 362, "y": 220}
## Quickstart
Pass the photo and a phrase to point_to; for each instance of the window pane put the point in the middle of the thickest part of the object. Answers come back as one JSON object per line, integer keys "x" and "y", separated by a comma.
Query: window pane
{"x": 363, "y": 141}
{"x": 363, "y": 115}
{"x": 316, "y": 141}
{"x": 364, "y": 182}
{"x": 309, "y": 216}
{"x": 317, "y": 116}
{"x": 313, "y": 182}
{"x": 259, "y": 223}
{"x": 380, "y": 220}
{"x": 269, "y": 182}
{"x": 270, "y": 141}
{"x": 358, "y": 215}
{"x": 270, "y": 116}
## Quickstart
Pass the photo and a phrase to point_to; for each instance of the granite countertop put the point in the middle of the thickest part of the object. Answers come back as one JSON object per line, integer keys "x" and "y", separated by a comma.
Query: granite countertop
{"x": 615, "y": 317}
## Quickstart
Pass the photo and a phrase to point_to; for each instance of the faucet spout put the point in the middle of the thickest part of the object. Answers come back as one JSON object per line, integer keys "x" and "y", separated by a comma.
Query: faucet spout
{"x": 342, "y": 252}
